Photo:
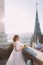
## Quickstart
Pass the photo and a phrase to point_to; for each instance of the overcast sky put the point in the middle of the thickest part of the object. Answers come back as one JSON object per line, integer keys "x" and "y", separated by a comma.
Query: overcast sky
{"x": 20, "y": 15}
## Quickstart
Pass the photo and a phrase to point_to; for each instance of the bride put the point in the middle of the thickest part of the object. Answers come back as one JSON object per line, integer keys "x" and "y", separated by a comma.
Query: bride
{"x": 16, "y": 57}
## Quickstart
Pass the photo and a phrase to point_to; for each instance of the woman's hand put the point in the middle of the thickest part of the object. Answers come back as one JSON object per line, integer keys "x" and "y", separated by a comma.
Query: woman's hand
{"x": 25, "y": 45}
{"x": 21, "y": 47}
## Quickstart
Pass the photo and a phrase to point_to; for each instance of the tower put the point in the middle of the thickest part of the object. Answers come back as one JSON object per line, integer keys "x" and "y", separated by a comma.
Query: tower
{"x": 37, "y": 30}
{"x": 3, "y": 36}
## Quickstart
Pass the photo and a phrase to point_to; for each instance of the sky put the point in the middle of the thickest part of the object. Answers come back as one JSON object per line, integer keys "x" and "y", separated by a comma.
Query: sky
{"x": 20, "y": 15}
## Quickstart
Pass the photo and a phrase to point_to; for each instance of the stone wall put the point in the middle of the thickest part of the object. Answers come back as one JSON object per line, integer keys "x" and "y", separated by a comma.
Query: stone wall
{"x": 4, "y": 53}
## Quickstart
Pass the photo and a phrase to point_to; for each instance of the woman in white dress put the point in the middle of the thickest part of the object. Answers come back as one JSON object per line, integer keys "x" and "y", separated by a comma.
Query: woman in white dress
{"x": 16, "y": 57}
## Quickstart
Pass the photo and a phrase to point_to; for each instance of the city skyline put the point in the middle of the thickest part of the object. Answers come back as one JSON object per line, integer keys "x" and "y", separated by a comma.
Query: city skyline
{"x": 20, "y": 15}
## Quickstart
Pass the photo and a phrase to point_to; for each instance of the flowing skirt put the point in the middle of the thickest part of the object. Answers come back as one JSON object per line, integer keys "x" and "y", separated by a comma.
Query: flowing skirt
{"x": 16, "y": 58}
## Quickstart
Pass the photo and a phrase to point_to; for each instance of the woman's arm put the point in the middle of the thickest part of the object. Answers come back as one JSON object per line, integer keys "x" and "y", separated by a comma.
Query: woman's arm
{"x": 20, "y": 47}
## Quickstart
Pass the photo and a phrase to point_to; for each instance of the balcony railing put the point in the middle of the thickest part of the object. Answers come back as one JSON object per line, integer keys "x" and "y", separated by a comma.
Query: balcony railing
{"x": 28, "y": 52}
{"x": 34, "y": 55}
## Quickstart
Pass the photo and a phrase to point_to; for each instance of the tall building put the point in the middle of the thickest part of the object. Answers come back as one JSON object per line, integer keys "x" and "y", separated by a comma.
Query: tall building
{"x": 37, "y": 29}
{"x": 3, "y": 35}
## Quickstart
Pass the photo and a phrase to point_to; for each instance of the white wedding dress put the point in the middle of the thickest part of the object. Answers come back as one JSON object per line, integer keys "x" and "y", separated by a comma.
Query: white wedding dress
{"x": 16, "y": 57}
